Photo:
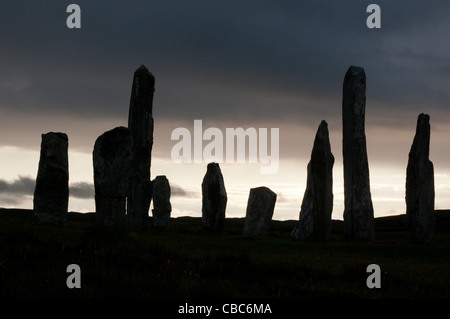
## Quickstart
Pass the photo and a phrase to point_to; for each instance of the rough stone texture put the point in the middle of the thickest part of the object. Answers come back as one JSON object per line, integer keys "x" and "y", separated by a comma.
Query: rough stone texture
{"x": 420, "y": 185}
{"x": 161, "y": 202}
{"x": 51, "y": 193}
{"x": 140, "y": 122}
{"x": 214, "y": 199}
{"x": 112, "y": 157}
{"x": 358, "y": 213}
{"x": 260, "y": 207}
{"x": 317, "y": 206}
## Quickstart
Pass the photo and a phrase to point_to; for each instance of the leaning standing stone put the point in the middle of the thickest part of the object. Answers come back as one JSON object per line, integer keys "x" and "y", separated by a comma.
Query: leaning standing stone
{"x": 112, "y": 162}
{"x": 358, "y": 213}
{"x": 214, "y": 199}
{"x": 420, "y": 185}
{"x": 161, "y": 202}
{"x": 260, "y": 207}
{"x": 317, "y": 205}
{"x": 51, "y": 193}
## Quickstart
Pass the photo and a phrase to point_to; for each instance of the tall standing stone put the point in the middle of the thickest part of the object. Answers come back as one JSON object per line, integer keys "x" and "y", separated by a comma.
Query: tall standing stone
{"x": 51, "y": 193}
{"x": 420, "y": 185}
{"x": 317, "y": 205}
{"x": 260, "y": 207}
{"x": 358, "y": 213}
{"x": 112, "y": 157}
{"x": 140, "y": 122}
{"x": 214, "y": 199}
{"x": 161, "y": 202}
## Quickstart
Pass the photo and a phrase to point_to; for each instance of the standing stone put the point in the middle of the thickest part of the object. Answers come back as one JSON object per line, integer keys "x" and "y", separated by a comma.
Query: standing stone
{"x": 260, "y": 207}
{"x": 420, "y": 185}
{"x": 214, "y": 199}
{"x": 112, "y": 157}
{"x": 317, "y": 205}
{"x": 161, "y": 202}
{"x": 51, "y": 193}
{"x": 140, "y": 122}
{"x": 358, "y": 213}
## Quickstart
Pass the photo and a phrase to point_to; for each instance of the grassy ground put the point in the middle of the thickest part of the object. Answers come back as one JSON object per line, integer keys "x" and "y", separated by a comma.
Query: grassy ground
{"x": 186, "y": 263}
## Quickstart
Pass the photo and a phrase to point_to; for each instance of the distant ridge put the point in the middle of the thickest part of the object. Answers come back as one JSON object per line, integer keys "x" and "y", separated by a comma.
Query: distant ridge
{"x": 383, "y": 223}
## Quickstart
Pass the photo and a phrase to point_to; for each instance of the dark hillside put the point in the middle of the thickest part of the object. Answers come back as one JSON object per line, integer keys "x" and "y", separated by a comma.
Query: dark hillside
{"x": 186, "y": 262}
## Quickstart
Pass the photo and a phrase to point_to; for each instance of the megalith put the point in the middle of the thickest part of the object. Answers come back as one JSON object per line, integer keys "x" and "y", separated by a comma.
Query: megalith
{"x": 112, "y": 157}
{"x": 161, "y": 202}
{"x": 317, "y": 206}
{"x": 140, "y": 122}
{"x": 358, "y": 212}
{"x": 51, "y": 193}
{"x": 420, "y": 185}
{"x": 260, "y": 207}
{"x": 214, "y": 199}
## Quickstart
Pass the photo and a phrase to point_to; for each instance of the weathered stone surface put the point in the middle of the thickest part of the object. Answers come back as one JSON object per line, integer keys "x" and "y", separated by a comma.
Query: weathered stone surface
{"x": 420, "y": 185}
{"x": 214, "y": 199}
{"x": 260, "y": 207}
{"x": 140, "y": 122}
{"x": 51, "y": 193}
{"x": 112, "y": 157}
{"x": 358, "y": 213}
{"x": 317, "y": 206}
{"x": 161, "y": 202}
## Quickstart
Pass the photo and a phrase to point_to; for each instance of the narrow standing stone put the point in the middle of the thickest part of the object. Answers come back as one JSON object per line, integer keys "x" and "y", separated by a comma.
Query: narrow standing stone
{"x": 112, "y": 157}
{"x": 260, "y": 207}
{"x": 140, "y": 122}
{"x": 420, "y": 185}
{"x": 51, "y": 193}
{"x": 161, "y": 202}
{"x": 358, "y": 213}
{"x": 317, "y": 205}
{"x": 214, "y": 199}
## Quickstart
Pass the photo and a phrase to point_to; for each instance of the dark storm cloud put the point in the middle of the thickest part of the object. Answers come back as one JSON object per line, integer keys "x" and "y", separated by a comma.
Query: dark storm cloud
{"x": 17, "y": 191}
{"x": 178, "y": 191}
{"x": 223, "y": 60}
{"x": 24, "y": 186}
{"x": 82, "y": 190}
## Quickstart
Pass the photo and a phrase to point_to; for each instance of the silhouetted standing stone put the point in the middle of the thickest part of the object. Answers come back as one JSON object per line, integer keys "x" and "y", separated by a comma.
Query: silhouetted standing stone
{"x": 214, "y": 199}
{"x": 112, "y": 157}
{"x": 358, "y": 213}
{"x": 420, "y": 185}
{"x": 51, "y": 193}
{"x": 161, "y": 202}
{"x": 140, "y": 122}
{"x": 317, "y": 205}
{"x": 260, "y": 207}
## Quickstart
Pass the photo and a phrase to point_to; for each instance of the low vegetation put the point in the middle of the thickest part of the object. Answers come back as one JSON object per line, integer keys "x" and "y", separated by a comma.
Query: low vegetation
{"x": 186, "y": 263}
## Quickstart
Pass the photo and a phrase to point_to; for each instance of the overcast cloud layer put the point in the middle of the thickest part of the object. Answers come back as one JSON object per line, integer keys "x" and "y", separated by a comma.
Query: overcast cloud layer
{"x": 223, "y": 60}
{"x": 229, "y": 63}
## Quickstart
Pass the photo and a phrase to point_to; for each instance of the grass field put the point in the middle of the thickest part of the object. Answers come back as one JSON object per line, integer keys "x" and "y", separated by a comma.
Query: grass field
{"x": 187, "y": 263}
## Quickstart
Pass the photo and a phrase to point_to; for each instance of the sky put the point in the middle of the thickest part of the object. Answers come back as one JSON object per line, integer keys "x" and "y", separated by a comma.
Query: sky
{"x": 231, "y": 64}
